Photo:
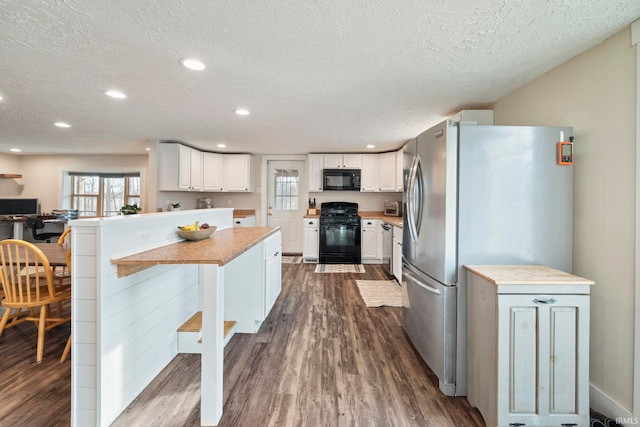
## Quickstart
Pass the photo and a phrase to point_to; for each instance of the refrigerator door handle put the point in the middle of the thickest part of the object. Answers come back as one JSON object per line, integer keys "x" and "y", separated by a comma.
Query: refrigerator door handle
{"x": 423, "y": 285}
{"x": 412, "y": 221}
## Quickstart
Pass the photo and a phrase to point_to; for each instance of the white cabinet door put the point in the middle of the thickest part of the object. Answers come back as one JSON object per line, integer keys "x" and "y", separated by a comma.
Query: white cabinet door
{"x": 273, "y": 278}
{"x": 399, "y": 171}
{"x": 175, "y": 171}
{"x": 342, "y": 161}
{"x": 352, "y": 161}
{"x": 311, "y": 241}
{"x": 370, "y": 241}
{"x": 369, "y": 175}
{"x": 315, "y": 164}
{"x": 396, "y": 255}
{"x": 184, "y": 167}
{"x": 212, "y": 172}
{"x": 195, "y": 170}
{"x": 387, "y": 172}
{"x": 543, "y": 359}
{"x": 238, "y": 172}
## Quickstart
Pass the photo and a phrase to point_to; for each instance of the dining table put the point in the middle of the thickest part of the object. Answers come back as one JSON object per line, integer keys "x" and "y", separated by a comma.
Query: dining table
{"x": 55, "y": 253}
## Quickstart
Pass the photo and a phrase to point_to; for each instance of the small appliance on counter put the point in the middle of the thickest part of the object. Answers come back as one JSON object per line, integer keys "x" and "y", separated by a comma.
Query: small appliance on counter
{"x": 392, "y": 208}
{"x": 205, "y": 203}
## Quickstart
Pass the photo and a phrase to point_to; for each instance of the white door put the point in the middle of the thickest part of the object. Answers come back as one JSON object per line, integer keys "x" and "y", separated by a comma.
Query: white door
{"x": 285, "y": 207}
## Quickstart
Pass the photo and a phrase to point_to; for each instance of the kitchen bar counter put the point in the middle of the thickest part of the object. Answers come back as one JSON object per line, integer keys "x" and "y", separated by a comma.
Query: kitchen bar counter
{"x": 221, "y": 248}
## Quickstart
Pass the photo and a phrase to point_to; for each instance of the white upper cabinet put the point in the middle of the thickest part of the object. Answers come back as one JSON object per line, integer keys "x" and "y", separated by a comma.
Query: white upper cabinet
{"x": 342, "y": 161}
{"x": 369, "y": 175}
{"x": 315, "y": 164}
{"x": 238, "y": 172}
{"x": 213, "y": 172}
{"x": 180, "y": 168}
{"x": 399, "y": 171}
{"x": 387, "y": 172}
{"x": 183, "y": 168}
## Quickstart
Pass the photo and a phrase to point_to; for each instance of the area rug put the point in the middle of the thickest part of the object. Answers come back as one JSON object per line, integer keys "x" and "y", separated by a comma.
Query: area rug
{"x": 339, "y": 268}
{"x": 291, "y": 259}
{"x": 378, "y": 293}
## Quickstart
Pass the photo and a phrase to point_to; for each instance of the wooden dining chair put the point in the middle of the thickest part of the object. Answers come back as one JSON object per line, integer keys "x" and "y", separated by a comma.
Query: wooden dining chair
{"x": 28, "y": 297}
{"x": 67, "y": 347}
{"x": 61, "y": 273}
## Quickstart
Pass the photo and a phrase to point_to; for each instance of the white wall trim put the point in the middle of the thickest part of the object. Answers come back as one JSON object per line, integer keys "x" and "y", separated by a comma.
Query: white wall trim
{"x": 601, "y": 402}
{"x": 635, "y": 39}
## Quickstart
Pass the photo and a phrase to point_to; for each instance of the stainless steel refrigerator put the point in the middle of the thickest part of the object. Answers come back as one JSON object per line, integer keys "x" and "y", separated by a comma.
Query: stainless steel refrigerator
{"x": 476, "y": 195}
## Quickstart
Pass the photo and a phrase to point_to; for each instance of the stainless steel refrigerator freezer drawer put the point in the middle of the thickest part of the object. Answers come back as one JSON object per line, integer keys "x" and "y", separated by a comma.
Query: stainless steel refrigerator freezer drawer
{"x": 430, "y": 322}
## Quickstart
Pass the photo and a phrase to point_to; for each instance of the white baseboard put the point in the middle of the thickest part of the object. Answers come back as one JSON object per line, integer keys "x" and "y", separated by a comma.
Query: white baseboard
{"x": 600, "y": 402}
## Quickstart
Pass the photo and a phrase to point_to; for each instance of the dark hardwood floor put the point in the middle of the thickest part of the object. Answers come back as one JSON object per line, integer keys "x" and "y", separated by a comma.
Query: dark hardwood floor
{"x": 321, "y": 358}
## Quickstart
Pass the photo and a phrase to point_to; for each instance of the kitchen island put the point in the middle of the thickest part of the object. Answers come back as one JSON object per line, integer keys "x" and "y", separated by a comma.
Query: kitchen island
{"x": 136, "y": 282}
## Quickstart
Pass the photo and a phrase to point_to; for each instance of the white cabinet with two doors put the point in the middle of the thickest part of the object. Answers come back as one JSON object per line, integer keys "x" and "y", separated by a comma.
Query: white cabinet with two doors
{"x": 182, "y": 168}
{"x": 528, "y": 345}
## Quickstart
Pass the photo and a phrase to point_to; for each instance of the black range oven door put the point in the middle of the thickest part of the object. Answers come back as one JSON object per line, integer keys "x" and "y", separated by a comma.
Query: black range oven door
{"x": 339, "y": 243}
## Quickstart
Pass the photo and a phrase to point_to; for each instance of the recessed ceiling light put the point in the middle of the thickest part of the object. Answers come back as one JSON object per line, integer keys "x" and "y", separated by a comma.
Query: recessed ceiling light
{"x": 62, "y": 124}
{"x": 115, "y": 94}
{"x": 15, "y": 150}
{"x": 192, "y": 64}
{"x": 371, "y": 146}
{"x": 222, "y": 145}
{"x": 148, "y": 149}
{"x": 242, "y": 112}
{"x": 0, "y": 98}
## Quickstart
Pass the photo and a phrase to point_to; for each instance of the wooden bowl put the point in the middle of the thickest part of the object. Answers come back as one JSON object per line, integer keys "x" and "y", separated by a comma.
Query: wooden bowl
{"x": 197, "y": 234}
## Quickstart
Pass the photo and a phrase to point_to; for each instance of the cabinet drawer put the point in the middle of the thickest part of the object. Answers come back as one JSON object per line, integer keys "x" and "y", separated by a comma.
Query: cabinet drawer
{"x": 310, "y": 222}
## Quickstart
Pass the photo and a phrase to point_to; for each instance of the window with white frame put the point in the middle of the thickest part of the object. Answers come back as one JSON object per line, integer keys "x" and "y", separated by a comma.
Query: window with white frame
{"x": 103, "y": 194}
{"x": 286, "y": 189}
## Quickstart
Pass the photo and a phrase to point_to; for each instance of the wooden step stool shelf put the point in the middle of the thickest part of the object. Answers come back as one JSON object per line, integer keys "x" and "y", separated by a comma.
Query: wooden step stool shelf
{"x": 190, "y": 334}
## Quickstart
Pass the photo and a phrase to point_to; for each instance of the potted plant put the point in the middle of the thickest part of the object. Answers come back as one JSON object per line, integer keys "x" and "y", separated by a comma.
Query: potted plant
{"x": 174, "y": 206}
{"x": 130, "y": 209}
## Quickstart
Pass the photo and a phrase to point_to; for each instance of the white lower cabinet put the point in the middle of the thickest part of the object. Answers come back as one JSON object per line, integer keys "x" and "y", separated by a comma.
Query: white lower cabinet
{"x": 272, "y": 270}
{"x": 252, "y": 284}
{"x": 528, "y": 347}
{"x": 396, "y": 254}
{"x": 311, "y": 250}
{"x": 371, "y": 242}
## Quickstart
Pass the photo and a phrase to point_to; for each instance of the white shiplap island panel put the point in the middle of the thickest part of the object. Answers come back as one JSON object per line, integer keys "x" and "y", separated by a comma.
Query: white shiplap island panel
{"x": 124, "y": 329}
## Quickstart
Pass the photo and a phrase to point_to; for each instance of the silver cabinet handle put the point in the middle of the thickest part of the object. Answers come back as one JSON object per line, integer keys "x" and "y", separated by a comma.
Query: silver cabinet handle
{"x": 544, "y": 300}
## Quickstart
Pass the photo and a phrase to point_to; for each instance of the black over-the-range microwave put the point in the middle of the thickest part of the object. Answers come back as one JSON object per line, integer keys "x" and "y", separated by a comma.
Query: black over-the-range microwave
{"x": 341, "y": 179}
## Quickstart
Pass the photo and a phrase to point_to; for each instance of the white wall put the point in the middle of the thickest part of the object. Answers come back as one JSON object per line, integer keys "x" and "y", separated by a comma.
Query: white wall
{"x": 41, "y": 175}
{"x": 595, "y": 93}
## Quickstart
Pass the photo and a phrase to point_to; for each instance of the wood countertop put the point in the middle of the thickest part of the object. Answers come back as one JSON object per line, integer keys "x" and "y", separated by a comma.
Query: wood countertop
{"x": 526, "y": 275}
{"x": 243, "y": 213}
{"x": 393, "y": 220}
{"x": 221, "y": 248}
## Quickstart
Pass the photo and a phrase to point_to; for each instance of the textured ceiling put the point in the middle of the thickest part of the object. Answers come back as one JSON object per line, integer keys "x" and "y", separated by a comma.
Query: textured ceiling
{"x": 316, "y": 75}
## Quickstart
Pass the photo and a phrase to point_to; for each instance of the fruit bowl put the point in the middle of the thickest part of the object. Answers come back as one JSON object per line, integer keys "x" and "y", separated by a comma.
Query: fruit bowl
{"x": 197, "y": 234}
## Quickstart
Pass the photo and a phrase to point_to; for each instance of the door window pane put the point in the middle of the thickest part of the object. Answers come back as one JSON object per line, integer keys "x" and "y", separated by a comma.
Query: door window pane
{"x": 286, "y": 189}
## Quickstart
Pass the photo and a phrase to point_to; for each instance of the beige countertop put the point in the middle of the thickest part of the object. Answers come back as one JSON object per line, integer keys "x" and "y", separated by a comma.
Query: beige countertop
{"x": 526, "y": 275}
{"x": 221, "y": 248}
{"x": 393, "y": 220}
{"x": 243, "y": 213}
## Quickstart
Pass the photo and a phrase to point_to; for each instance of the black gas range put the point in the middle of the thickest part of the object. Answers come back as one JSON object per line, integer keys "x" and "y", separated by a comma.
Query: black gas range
{"x": 339, "y": 233}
